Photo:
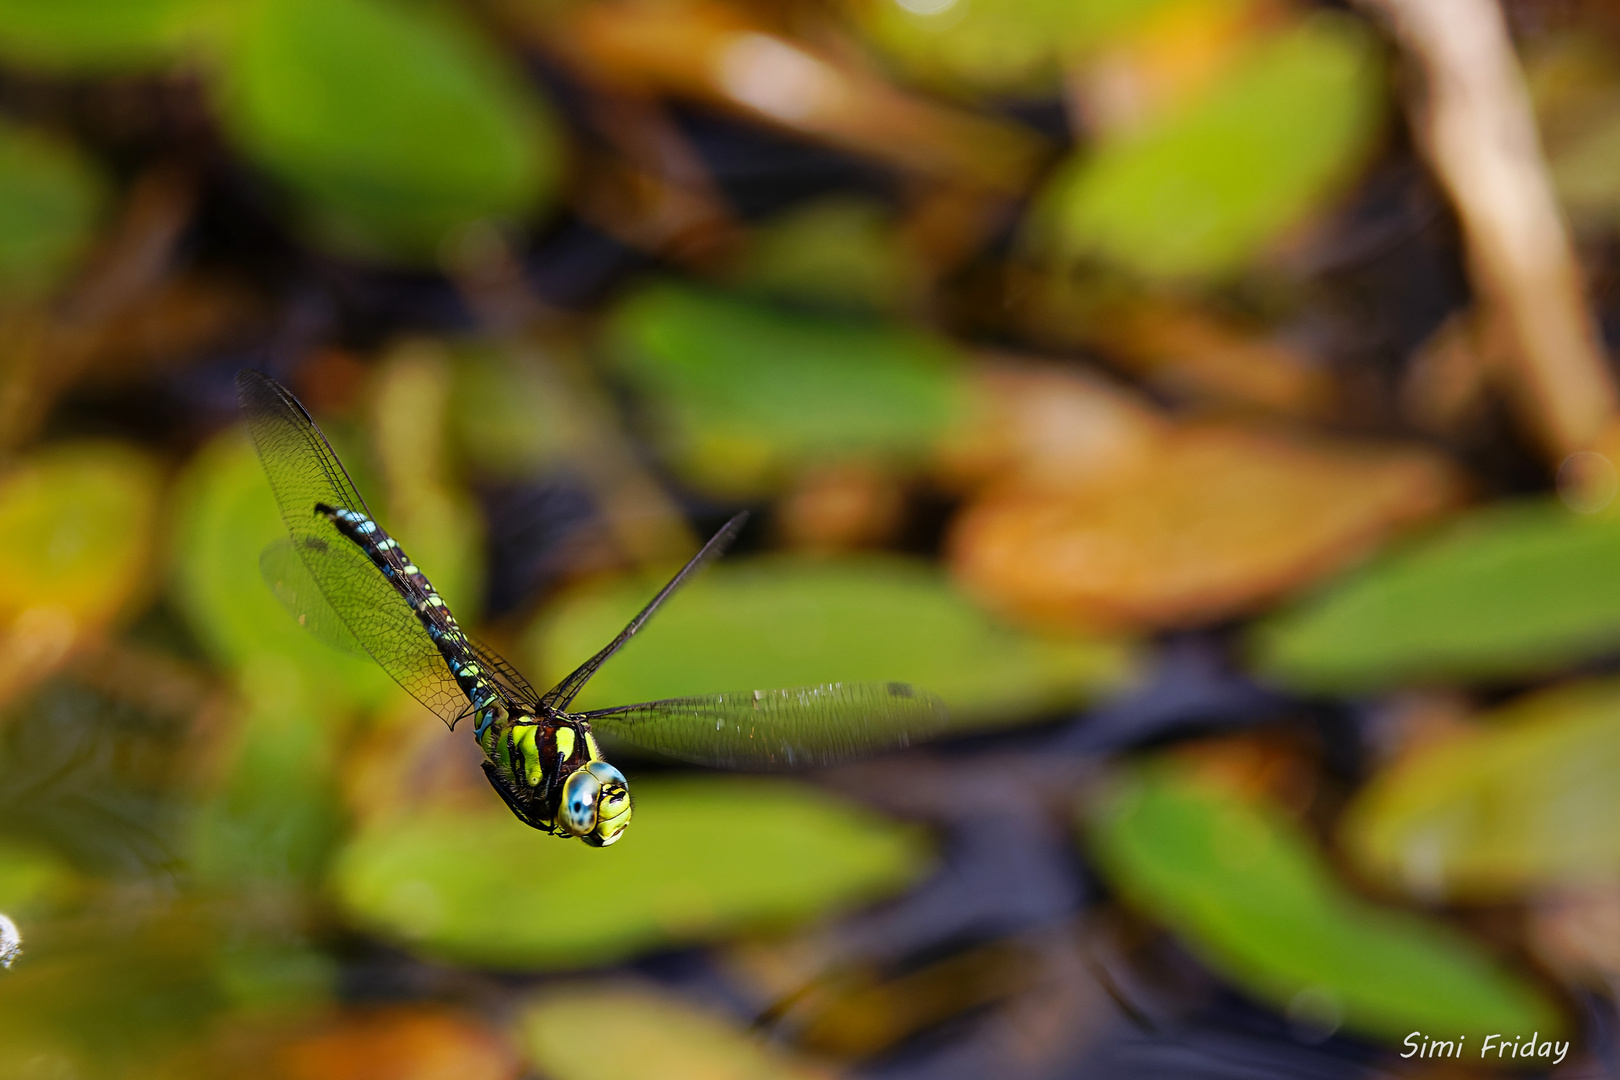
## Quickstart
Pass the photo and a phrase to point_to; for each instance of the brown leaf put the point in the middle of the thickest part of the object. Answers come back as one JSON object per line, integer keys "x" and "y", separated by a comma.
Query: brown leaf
{"x": 1577, "y": 933}
{"x": 1049, "y": 427}
{"x": 1218, "y": 520}
{"x": 399, "y": 1043}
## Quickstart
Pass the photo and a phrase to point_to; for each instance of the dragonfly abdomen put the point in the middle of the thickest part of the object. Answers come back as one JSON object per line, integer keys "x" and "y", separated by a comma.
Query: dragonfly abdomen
{"x": 441, "y": 626}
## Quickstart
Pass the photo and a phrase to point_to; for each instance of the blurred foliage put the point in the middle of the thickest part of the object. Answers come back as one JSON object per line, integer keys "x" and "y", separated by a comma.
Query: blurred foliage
{"x": 50, "y": 198}
{"x": 577, "y": 1032}
{"x": 1509, "y": 591}
{"x": 1008, "y": 47}
{"x": 1198, "y": 191}
{"x": 98, "y": 35}
{"x": 1091, "y": 366}
{"x": 706, "y": 859}
{"x": 93, "y": 779}
{"x": 147, "y": 979}
{"x": 832, "y": 389}
{"x": 837, "y": 253}
{"x": 1502, "y": 807}
{"x": 399, "y": 1042}
{"x": 79, "y": 523}
{"x": 784, "y": 622}
{"x": 225, "y": 516}
{"x": 33, "y": 880}
{"x": 393, "y": 120}
{"x": 1575, "y": 83}
{"x": 1244, "y": 886}
{"x": 1205, "y": 522}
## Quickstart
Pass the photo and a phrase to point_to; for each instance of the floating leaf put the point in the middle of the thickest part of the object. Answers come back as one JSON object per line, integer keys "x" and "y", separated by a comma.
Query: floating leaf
{"x": 1516, "y": 804}
{"x": 586, "y": 1032}
{"x": 702, "y": 859}
{"x": 393, "y": 120}
{"x": 225, "y": 517}
{"x": 1245, "y": 889}
{"x": 1194, "y": 528}
{"x": 76, "y": 530}
{"x": 405, "y": 1042}
{"x": 1201, "y": 189}
{"x": 1510, "y": 591}
{"x": 49, "y": 200}
{"x": 76, "y": 535}
{"x": 95, "y": 35}
{"x": 1013, "y": 46}
{"x": 798, "y": 622}
{"x": 839, "y": 252}
{"x": 744, "y": 392}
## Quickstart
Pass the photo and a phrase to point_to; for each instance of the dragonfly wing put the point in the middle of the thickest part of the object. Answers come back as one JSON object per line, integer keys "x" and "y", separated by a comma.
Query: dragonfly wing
{"x": 289, "y": 579}
{"x": 303, "y": 471}
{"x": 559, "y": 696}
{"x": 501, "y": 670}
{"x": 777, "y": 729}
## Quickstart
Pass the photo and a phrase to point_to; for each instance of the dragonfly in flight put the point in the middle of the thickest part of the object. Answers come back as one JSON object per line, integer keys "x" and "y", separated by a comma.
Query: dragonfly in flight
{"x": 350, "y": 583}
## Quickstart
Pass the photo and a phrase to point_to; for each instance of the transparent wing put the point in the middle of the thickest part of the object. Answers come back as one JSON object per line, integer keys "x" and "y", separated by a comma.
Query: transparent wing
{"x": 304, "y": 471}
{"x": 559, "y": 696}
{"x": 777, "y": 729}
{"x": 284, "y": 571}
{"x": 516, "y": 686}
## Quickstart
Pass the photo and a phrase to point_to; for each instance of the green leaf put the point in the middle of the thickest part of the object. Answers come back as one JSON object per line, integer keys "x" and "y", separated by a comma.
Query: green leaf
{"x": 504, "y": 418}
{"x": 1245, "y": 889}
{"x": 275, "y": 814}
{"x": 225, "y": 517}
{"x": 34, "y": 881}
{"x": 76, "y": 532}
{"x": 840, "y": 253}
{"x": 1519, "y": 803}
{"x": 436, "y": 520}
{"x": 1510, "y": 591}
{"x": 50, "y": 198}
{"x": 1013, "y": 46}
{"x": 745, "y": 393}
{"x": 96, "y": 36}
{"x": 775, "y": 622}
{"x": 702, "y": 859}
{"x": 1201, "y": 190}
{"x": 392, "y": 120}
{"x": 578, "y": 1032}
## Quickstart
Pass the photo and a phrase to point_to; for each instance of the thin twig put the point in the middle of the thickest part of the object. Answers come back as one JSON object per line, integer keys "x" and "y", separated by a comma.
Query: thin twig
{"x": 1474, "y": 123}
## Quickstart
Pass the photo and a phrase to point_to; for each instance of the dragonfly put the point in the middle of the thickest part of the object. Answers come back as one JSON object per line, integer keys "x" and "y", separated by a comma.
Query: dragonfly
{"x": 351, "y": 584}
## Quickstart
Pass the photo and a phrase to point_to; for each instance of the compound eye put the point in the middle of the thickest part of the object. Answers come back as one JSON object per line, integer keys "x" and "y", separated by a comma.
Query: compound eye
{"x": 613, "y": 805}
{"x": 610, "y": 777}
{"x": 580, "y": 793}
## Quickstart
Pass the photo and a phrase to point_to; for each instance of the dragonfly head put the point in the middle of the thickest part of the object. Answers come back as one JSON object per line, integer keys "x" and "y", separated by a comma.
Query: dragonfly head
{"x": 595, "y": 804}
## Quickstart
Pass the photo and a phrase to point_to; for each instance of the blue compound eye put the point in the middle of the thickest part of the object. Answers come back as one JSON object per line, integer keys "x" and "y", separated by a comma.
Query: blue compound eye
{"x": 577, "y": 814}
{"x": 607, "y": 774}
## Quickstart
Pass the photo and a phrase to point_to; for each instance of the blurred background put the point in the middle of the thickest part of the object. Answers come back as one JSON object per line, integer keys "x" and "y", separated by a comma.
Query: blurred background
{"x": 1209, "y": 399}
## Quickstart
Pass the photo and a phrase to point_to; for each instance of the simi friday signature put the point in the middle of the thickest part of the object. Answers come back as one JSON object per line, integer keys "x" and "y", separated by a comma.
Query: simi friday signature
{"x": 1420, "y": 1045}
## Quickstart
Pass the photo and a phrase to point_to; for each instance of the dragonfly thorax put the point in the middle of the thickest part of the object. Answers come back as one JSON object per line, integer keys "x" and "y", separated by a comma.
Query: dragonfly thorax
{"x": 550, "y": 771}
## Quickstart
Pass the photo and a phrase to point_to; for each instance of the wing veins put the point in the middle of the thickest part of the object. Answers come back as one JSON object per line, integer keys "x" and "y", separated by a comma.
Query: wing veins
{"x": 793, "y": 726}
